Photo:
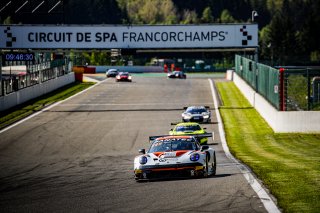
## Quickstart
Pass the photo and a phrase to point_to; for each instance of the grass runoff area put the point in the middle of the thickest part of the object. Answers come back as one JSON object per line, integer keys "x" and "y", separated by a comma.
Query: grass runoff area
{"x": 21, "y": 111}
{"x": 288, "y": 164}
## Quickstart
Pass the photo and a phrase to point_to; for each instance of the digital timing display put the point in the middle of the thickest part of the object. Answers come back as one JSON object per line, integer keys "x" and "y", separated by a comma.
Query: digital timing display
{"x": 18, "y": 56}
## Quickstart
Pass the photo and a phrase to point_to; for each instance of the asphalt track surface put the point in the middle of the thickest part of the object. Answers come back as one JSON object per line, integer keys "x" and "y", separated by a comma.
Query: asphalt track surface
{"x": 78, "y": 156}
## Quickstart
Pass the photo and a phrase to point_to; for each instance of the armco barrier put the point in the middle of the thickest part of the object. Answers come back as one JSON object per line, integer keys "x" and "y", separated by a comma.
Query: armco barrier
{"x": 280, "y": 121}
{"x": 37, "y": 90}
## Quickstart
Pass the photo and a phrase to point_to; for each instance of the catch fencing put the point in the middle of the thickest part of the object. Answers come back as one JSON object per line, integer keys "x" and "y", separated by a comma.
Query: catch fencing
{"x": 262, "y": 78}
{"x": 302, "y": 89}
{"x": 285, "y": 88}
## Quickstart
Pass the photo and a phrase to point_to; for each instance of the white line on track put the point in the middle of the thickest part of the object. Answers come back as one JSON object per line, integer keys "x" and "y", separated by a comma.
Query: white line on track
{"x": 262, "y": 194}
{"x": 47, "y": 108}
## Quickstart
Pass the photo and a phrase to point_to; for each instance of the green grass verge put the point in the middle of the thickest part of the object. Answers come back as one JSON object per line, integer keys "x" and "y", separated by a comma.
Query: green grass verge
{"x": 21, "y": 111}
{"x": 288, "y": 164}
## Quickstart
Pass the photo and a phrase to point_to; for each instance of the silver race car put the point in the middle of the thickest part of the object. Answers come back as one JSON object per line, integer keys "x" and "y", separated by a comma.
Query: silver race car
{"x": 197, "y": 114}
{"x": 175, "y": 156}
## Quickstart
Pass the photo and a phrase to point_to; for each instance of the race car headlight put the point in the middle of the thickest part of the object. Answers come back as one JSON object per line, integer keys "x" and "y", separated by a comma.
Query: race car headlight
{"x": 205, "y": 115}
{"x": 187, "y": 115}
{"x": 129, "y": 77}
{"x": 143, "y": 160}
{"x": 195, "y": 157}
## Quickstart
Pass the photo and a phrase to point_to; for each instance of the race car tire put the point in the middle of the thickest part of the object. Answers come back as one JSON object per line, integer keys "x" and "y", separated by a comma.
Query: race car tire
{"x": 214, "y": 165}
{"x": 206, "y": 170}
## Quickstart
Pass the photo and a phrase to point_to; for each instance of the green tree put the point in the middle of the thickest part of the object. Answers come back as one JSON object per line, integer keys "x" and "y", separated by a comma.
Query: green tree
{"x": 265, "y": 42}
{"x": 207, "y": 15}
{"x": 151, "y": 12}
{"x": 277, "y": 36}
{"x": 226, "y": 17}
{"x": 8, "y": 20}
{"x": 97, "y": 58}
{"x": 189, "y": 17}
{"x": 274, "y": 5}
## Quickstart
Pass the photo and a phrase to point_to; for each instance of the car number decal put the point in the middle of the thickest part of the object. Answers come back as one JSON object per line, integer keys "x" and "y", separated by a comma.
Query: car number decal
{"x": 169, "y": 154}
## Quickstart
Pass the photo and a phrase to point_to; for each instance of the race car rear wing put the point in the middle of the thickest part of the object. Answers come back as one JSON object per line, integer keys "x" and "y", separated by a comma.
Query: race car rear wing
{"x": 197, "y": 136}
{"x": 179, "y": 122}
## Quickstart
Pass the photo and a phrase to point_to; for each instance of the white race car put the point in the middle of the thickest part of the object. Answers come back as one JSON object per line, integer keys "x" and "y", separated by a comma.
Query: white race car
{"x": 175, "y": 156}
{"x": 196, "y": 114}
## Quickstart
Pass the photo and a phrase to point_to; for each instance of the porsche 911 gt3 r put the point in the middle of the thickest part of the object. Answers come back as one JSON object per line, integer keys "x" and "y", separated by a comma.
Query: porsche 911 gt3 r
{"x": 175, "y": 156}
{"x": 189, "y": 128}
{"x": 197, "y": 114}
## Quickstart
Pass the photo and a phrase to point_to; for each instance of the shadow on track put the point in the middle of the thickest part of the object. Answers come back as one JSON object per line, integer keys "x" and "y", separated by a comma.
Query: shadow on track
{"x": 163, "y": 179}
{"x": 115, "y": 110}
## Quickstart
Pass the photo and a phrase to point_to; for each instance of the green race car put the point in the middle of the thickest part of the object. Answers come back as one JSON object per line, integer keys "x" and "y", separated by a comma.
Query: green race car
{"x": 189, "y": 128}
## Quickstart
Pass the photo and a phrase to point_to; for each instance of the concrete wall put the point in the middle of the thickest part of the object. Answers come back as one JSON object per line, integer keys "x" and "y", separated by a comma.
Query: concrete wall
{"x": 29, "y": 93}
{"x": 288, "y": 121}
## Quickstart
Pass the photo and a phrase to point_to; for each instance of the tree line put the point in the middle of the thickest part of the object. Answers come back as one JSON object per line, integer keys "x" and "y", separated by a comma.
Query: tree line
{"x": 288, "y": 29}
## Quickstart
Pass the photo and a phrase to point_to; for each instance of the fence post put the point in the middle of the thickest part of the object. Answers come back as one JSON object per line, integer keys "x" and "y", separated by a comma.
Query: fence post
{"x": 309, "y": 98}
{"x": 281, "y": 90}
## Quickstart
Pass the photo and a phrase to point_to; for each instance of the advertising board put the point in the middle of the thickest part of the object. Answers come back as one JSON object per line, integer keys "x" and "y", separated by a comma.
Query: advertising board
{"x": 122, "y": 37}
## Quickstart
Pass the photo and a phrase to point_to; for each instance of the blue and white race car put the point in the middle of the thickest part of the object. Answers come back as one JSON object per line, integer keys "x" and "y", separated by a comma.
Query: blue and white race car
{"x": 197, "y": 114}
{"x": 175, "y": 156}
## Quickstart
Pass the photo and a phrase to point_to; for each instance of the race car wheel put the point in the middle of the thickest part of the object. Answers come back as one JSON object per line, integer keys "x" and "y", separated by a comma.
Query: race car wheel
{"x": 214, "y": 165}
{"x": 206, "y": 170}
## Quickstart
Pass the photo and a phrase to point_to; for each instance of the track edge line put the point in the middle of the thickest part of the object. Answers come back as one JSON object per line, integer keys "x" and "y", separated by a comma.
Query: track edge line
{"x": 264, "y": 197}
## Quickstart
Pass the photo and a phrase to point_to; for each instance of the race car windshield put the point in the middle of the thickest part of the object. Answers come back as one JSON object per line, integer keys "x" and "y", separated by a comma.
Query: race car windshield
{"x": 188, "y": 128}
{"x": 196, "y": 111}
{"x": 173, "y": 145}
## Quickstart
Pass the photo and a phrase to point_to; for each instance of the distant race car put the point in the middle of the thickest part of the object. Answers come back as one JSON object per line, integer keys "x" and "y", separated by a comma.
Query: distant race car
{"x": 189, "y": 128}
{"x": 112, "y": 73}
{"x": 197, "y": 114}
{"x": 177, "y": 74}
{"x": 175, "y": 156}
{"x": 124, "y": 76}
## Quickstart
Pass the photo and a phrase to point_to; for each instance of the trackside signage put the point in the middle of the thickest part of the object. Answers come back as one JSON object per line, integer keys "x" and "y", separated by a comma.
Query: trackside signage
{"x": 141, "y": 37}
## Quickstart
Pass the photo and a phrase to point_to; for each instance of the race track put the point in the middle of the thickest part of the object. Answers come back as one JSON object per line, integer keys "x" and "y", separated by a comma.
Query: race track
{"x": 78, "y": 155}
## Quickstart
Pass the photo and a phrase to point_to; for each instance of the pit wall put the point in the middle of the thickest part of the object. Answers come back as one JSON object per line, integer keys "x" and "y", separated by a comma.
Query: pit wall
{"x": 35, "y": 91}
{"x": 280, "y": 121}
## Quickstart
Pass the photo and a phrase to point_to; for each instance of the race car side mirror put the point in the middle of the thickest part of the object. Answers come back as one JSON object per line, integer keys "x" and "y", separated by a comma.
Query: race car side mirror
{"x": 205, "y": 147}
{"x": 142, "y": 151}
